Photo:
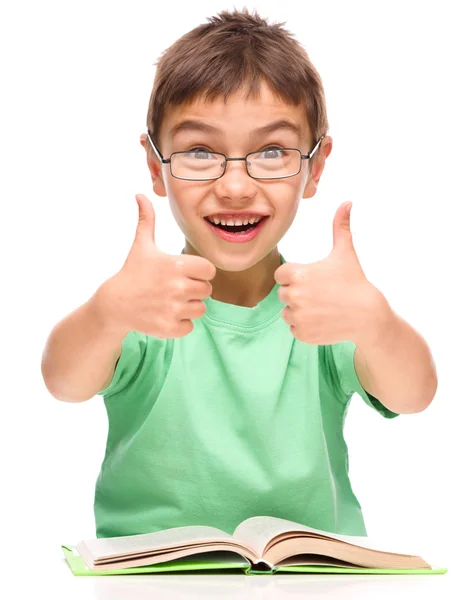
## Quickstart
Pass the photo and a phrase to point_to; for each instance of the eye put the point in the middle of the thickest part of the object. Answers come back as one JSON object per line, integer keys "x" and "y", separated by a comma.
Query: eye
{"x": 200, "y": 152}
{"x": 271, "y": 152}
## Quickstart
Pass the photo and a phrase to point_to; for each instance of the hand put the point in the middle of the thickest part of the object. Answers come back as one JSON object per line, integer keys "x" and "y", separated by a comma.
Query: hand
{"x": 155, "y": 293}
{"x": 331, "y": 300}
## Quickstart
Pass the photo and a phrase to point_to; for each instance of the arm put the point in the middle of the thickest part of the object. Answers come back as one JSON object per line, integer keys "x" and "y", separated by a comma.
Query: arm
{"x": 80, "y": 354}
{"x": 394, "y": 363}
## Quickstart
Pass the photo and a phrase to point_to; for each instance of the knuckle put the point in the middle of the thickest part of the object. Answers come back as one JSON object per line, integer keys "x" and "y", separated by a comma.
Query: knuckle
{"x": 165, "y": 325}
{"x": 299, "y": 275}
{"x": 180, "y": 262}
{"x": 295, "y": 296}
{"x": 175, "y": 309}
{"x": 178, "y": 287}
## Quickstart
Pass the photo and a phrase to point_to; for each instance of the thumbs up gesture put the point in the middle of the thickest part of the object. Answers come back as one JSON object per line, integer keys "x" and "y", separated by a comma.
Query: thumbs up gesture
{"x": 331, "y": 300}
{"x": 155, "y": 293}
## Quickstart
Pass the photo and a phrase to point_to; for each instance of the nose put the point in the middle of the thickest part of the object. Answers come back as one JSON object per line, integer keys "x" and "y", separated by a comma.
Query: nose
{"x": 235, "y": 182}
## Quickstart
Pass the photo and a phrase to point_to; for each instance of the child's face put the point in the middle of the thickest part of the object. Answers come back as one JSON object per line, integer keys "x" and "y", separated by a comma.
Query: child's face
{"x": 191, "y": 201}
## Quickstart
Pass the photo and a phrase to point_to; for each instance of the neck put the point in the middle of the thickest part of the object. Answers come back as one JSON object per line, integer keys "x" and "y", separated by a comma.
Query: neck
{"x": 244, "y": 288}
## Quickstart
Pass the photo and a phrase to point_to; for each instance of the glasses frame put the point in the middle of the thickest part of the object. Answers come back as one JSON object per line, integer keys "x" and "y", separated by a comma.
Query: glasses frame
{"x": 166, "y": 161}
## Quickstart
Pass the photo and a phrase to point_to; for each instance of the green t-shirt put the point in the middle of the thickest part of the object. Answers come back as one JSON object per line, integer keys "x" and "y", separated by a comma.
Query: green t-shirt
{"x": 236, "y": 419}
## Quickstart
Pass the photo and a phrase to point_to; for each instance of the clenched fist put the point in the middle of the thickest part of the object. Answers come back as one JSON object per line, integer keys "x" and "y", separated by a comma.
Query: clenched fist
{"x": 331, "y": 300}
{"x": 155, "y": 293}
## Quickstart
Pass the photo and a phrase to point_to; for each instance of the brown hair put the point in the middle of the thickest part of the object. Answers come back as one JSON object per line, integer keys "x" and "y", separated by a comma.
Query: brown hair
{"x": 216, "y": 58}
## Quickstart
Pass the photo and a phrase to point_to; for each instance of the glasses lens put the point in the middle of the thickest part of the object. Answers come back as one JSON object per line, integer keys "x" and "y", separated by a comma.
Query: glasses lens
{"x": 197, "y": 164}
{"x": 274, "y": 163}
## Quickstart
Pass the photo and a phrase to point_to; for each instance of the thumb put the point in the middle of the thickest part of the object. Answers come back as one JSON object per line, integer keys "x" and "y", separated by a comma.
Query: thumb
{"x": 146, "y": 225}
{"x": 342, "y": 235}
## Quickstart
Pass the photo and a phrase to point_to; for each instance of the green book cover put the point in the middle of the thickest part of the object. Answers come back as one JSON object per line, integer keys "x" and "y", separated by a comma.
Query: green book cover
{"x": 225, "y": 562}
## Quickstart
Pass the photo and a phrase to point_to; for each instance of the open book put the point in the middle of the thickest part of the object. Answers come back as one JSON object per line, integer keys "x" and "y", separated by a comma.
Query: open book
{"x": 258, "y": 545}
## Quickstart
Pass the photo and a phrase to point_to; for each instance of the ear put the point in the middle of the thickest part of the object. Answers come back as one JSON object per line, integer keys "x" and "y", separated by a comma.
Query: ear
{"x": 155, "y": 167}
{"x": 317, "y": 166}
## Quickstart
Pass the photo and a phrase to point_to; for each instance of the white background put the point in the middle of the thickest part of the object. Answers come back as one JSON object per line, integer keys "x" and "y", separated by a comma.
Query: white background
{"x": 399, "y": 83}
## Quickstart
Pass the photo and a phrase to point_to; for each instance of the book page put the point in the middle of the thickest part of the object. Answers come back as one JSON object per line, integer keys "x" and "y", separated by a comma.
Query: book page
{"x": 160, "y": 540}
{"x": 259, "y": 531}
{"x": 191, "y": 554}
{"x": 314, "y": 559}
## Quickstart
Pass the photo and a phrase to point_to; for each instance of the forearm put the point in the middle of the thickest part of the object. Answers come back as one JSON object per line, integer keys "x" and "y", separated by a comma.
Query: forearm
{"x": 397, "y": 365}
{"x": 80, "y": 354}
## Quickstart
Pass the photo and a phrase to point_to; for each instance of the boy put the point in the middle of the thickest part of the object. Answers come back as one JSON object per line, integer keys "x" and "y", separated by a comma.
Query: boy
{"x": 227, "y": 372}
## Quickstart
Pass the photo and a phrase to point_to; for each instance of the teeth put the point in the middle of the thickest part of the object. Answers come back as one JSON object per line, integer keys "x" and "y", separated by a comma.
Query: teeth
{"x": 250, "y": 221}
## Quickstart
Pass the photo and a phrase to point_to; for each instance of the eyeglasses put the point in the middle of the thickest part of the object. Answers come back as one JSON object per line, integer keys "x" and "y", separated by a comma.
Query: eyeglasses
{"x": 199, "y": 164}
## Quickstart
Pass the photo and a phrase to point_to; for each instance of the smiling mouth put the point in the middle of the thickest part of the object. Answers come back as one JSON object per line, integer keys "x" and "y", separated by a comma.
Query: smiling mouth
{"x": 236, "y": 228}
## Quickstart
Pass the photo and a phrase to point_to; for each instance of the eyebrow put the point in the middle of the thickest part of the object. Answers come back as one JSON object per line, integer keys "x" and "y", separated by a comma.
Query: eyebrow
{"x": 202, "y": 127}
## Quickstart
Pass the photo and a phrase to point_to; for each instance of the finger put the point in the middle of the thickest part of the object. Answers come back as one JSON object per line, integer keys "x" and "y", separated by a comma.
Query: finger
{"x": 283, "y": 294}
{"x": 193, "y": 309}
{"x": 197, "y": 290}
{"x": 197, "y": 267}
{"x": 287, "y": 315}
{"x": 285, "y": 274}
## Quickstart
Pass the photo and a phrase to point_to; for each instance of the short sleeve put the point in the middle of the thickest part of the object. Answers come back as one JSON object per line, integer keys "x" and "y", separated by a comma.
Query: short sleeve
{"x": 134, "y": 347}
{"x": 343, "y": 356}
